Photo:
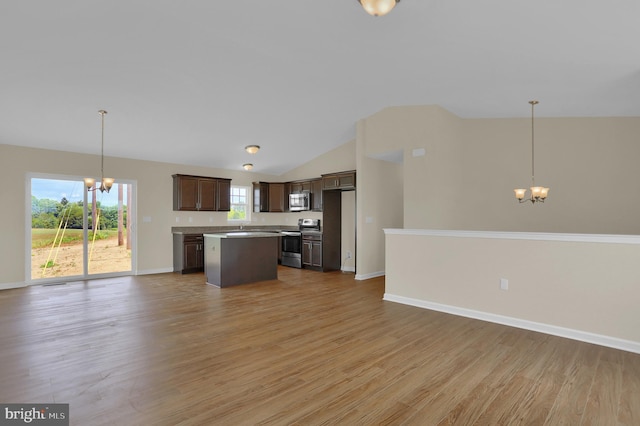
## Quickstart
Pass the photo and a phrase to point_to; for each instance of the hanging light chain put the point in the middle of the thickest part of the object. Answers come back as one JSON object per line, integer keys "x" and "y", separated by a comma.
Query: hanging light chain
{"x": 102, "y": 114}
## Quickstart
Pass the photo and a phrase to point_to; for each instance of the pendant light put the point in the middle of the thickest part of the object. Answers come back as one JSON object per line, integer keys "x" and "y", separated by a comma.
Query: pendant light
{"x": 538, "y": 193}
{"x": 378, "y": 7}
{"x": 105, "y": 183}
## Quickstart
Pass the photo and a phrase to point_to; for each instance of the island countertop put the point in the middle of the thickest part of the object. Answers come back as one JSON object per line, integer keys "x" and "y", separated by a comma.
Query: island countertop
{"x": 191, "y": 230}
{"x": 244, "y": 234}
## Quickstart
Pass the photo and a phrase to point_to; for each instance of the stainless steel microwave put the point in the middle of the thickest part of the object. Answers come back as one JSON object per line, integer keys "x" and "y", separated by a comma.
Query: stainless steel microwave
{"x": 300, "y": 202}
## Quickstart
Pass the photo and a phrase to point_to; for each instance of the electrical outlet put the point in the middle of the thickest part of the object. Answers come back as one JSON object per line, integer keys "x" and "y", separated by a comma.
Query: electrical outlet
{"x": 504, "y": 284}
{"x": 348, "y": 254}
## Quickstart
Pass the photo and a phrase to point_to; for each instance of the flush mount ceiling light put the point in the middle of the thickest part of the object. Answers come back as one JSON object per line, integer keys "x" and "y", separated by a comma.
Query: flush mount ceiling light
{"x": 105, "y": 183}
{"x": 247, "y": 166}
{"x": 538, "y": 193}
{"x": 378, "y": 7}
{"x": 252, "y": 149}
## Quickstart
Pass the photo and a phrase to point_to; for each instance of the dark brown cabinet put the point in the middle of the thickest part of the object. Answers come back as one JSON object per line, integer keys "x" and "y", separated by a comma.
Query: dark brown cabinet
{"x": 269, "y": 197}
{"x": 207, "y": 194}
{"x": 341, "y": 181}
{"x": 276, "y": 198}
{"x": 312, "y": 251}
{"x": 224, "y": 195}
{"x": 199, "y": 193}
{"x": 188, "y": 253}
{"x": 316, "y": 195}
{"x": 260, "y": 197}
{"x": 299, "y": 186}
{"x": 295, "y": 187}
{"x": 313, "y": 187}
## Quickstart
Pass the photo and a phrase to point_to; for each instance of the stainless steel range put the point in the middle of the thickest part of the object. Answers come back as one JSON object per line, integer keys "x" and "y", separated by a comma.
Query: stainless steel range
{"x": 292, "y": 242}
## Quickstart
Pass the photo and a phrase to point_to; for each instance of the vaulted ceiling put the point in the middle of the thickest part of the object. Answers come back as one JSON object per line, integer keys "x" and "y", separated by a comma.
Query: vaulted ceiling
{"x": 194, "y": 81}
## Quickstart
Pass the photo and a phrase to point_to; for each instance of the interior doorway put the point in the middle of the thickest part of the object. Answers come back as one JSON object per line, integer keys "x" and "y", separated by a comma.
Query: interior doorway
{"x": 77, "y": 233}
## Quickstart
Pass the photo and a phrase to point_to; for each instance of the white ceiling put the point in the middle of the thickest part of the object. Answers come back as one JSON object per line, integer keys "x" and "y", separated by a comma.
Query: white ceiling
{"x": 194, "y": 81}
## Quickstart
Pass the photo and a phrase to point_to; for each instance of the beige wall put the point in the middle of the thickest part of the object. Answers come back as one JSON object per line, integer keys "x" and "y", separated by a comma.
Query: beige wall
{"x": 465, "y": 181}
{"x": 340, "y": 159}
{"x": 471, "y": 166}
{"x": 590, "y": 164}
{"x": 154, "y": 200}
{"x": 466, "y": 178}
{"x": 436, "y": 175}
{"x": 379, "y": 205}
{"x": 575, "y": 286}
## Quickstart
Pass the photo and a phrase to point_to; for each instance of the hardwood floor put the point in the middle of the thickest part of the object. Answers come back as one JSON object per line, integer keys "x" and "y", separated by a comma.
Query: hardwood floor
{"x": 309, "y": 348}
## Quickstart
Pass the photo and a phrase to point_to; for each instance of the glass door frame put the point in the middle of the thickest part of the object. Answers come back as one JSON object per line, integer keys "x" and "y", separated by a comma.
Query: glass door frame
{"x": 131, "y": 215}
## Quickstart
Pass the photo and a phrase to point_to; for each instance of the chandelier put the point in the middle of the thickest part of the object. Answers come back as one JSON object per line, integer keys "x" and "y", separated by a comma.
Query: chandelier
{"x": 105, "y": 183}
{"x": 378, "y": 7}
{"x": 538, "y": 193}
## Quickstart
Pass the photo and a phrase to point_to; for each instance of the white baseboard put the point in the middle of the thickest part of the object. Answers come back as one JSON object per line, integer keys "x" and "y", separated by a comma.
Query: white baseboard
{"x": 348, "y": 269}
{"x": 583, "y": 336}
{"x": 154, "y": 271}
{"x": 369, "y": 275}
{"x": 9, "y": 286}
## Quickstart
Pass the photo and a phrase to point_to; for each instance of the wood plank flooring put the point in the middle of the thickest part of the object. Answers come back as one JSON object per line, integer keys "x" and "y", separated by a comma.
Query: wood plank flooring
{"x": 310, "y": 348}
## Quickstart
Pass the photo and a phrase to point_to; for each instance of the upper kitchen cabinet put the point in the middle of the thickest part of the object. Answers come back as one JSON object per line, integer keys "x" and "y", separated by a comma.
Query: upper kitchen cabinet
{"x": 269, "y": 197}
{"x": 316, "y": 195}
{"x": 342, "y": 181}
{"x": 224, "y": 195}
{"x": 299, "y": 187}
{"x": 260, "y": 197}
{"x": 200, "y": 193}
{"x": 277, "y": 200}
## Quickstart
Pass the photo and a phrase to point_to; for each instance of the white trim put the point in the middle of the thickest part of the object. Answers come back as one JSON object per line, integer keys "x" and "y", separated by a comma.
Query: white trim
{"x": 369, "y": 275}
{"x": 155, "y": 271}
{"x": 538, "y": 236}
{"x": 583, "y": 336}
{"x": 348, "y": 269}
{"x": 9, "y": 286}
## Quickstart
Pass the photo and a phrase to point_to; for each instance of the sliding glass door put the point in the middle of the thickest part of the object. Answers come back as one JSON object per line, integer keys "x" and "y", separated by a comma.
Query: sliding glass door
{"x": 79, "y": 233}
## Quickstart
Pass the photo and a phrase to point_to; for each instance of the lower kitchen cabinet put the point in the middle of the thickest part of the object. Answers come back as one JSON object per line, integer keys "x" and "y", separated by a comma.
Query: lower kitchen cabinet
{"x": 188, "y": 253}
{"x": 312, "y": 251}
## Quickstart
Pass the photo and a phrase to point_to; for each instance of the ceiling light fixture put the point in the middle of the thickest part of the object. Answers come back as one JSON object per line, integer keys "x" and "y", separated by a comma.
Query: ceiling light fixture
{"x": 105, "y": 183}
{"x": 538, "y": 193}
{"x": 252, "y": 149}
{"x": 247, "y": 166}
{"x": 378, "y": 7}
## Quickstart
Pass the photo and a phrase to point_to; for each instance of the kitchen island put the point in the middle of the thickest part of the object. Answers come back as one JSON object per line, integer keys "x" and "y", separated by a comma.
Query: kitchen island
{"x": 234, "y": 258}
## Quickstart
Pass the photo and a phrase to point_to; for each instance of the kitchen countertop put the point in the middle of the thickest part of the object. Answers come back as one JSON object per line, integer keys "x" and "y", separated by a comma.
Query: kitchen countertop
{"x": 186, "y": 230}
{"x": 243, "y": 234}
